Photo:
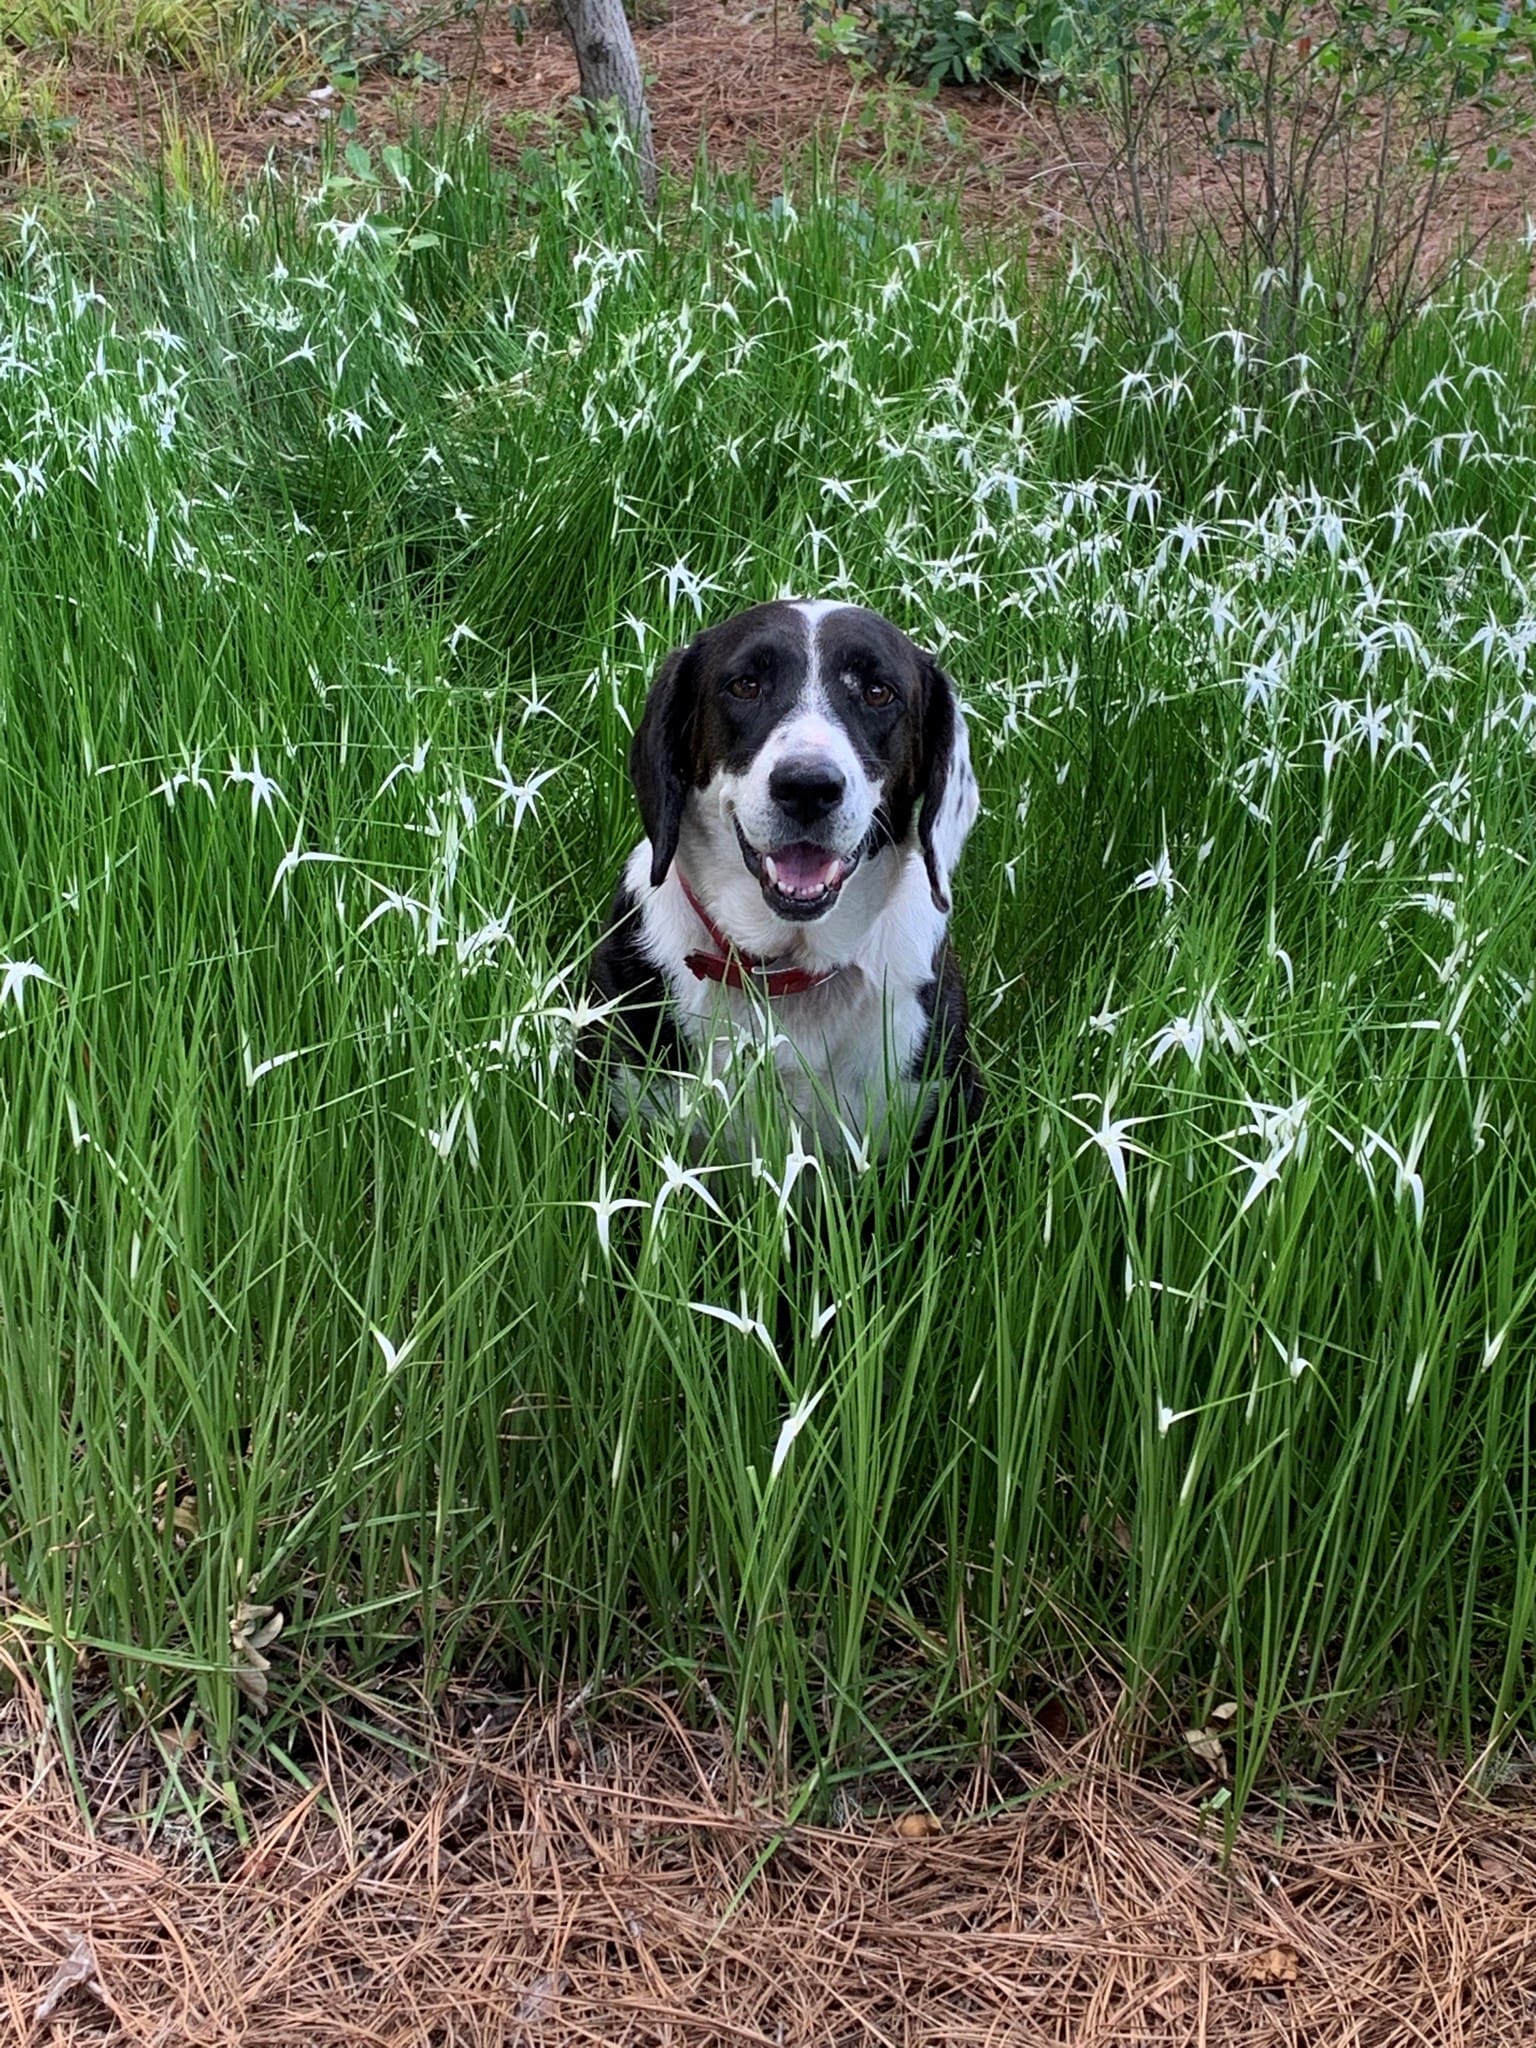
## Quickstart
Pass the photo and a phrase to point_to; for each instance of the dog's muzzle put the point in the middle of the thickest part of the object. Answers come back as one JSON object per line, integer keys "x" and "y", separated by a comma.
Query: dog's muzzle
{"x": 801, "y": 880}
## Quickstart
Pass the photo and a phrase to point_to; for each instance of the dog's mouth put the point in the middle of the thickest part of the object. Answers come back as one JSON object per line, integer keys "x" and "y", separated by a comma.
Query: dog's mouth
{"x": 799, "y": 881}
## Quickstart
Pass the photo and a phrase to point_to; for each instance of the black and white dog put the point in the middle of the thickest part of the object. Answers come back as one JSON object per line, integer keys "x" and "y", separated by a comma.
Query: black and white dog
{"x": 805, "y": 784}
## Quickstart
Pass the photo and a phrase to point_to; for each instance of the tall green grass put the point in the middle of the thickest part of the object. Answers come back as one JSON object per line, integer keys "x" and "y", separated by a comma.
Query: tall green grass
{"x": 342, "y": 536}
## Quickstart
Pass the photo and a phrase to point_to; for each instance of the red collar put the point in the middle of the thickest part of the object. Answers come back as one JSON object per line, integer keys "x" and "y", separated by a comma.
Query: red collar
{"x": 740, "y": 970}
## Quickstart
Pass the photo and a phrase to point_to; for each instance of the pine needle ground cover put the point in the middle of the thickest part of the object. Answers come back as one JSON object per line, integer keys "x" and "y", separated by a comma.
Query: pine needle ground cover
{"x": 343, "y": 531}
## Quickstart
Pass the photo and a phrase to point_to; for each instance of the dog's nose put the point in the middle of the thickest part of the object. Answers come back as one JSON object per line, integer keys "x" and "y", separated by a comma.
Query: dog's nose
{"x": 806, "y": 790}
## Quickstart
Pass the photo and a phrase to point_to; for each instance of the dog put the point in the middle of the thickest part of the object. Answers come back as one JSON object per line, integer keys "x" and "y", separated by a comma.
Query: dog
{"x": 804, "y": 779}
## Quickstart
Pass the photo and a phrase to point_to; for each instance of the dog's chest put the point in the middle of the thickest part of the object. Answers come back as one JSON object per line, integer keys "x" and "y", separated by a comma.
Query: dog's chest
{"x": 841, "y": 1055}
{"x": 844, "y": 1057}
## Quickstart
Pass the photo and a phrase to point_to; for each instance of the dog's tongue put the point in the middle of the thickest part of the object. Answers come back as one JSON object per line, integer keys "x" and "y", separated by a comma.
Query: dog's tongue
{"x": 803, "y": 869}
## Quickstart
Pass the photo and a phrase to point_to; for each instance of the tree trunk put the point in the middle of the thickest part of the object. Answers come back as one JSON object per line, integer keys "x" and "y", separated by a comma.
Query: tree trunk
{"x": 610, "y": 70}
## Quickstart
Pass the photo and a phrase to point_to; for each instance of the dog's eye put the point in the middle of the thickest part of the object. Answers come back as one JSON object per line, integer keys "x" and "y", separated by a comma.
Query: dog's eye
{"x": 746, "y": 688}
{"x": 878, "y": 695}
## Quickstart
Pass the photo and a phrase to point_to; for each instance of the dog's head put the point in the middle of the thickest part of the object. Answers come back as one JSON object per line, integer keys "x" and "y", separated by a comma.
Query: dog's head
{"x": 806, "y": 738}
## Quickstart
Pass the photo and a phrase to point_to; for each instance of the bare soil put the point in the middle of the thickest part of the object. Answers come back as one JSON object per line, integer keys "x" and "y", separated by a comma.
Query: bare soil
{"x": 538, "y": 1878}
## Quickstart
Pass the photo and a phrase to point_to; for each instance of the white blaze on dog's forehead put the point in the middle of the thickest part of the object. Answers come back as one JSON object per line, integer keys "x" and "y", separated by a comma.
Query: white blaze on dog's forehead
{"x": 815, "y": 611}
{"x": 810, "y": 731}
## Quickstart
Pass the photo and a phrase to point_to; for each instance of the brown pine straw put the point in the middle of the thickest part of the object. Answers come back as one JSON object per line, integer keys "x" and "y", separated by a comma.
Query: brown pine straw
{"x": 542, "y": 1877}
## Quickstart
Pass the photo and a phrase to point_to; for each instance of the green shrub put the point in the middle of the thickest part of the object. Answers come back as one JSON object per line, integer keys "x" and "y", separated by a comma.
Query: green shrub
{"x": 941, "y": 42}
{"x": 1327, "y": 136}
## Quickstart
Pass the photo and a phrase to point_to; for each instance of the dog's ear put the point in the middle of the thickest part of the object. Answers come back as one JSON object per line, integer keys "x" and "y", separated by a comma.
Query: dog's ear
{"x": 950, "y": 796}
{"x": 658, "y": 757}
